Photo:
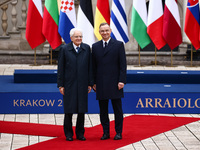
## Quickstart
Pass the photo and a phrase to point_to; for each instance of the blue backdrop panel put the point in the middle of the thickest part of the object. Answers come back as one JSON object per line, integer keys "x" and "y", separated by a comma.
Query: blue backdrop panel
{"x": 38, "y": 103}
{"x": 31, "y": 103}
{"x": 162, "y": 103}
{"x": 139, "y": 98}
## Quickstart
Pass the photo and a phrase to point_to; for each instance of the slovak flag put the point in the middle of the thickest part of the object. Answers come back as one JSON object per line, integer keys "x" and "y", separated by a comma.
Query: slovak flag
{"x": 192, "y": 23}
{"x": 67, "y": 19}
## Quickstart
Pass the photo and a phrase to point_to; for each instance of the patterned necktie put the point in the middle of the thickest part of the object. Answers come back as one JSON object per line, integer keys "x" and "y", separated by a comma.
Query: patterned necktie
{"x": 77, "y": 48}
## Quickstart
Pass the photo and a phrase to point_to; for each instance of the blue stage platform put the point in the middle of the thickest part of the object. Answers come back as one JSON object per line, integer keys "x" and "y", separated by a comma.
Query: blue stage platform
{"x": 145, "y": 92}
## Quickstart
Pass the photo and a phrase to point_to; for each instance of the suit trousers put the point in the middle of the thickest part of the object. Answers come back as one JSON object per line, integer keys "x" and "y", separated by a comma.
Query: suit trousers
{"x": 118, "y": 113}
{"x": 79, "y": 125}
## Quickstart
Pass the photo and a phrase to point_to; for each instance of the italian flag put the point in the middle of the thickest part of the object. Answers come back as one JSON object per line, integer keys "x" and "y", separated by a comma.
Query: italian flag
{"x": 50, "y": 23}
{"x": 102, "y": 15}
{"x": 139, "y": 23}
{"x": 155, "y": 23}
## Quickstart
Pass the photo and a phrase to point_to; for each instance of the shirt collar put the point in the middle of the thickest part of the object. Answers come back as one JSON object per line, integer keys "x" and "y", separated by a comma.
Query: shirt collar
{"x": 106, "y": 41}
{"x": 75, "y": 46}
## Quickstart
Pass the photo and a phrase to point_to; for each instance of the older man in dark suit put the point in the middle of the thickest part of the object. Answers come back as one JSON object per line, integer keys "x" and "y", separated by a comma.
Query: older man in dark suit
{"x": 109, "y": 63}
{"x": 75, "y": 81}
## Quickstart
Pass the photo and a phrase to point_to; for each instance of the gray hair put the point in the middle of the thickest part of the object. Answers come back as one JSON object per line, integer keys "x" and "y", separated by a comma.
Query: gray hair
{"x": 72, "y": 31}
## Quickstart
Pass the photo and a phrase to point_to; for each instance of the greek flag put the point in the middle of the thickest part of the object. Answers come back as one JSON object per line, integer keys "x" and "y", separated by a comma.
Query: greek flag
{"x": 118, "y": 21}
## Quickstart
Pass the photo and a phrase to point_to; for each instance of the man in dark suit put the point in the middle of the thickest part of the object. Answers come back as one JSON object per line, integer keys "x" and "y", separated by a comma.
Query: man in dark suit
{"x": 109, "y": 64}
{"x": 75, "y": 82}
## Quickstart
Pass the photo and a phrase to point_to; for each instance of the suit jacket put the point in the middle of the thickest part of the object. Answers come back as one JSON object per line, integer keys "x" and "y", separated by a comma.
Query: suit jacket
{"x": 75, "y": 75}
{"x": 109, "y": 66}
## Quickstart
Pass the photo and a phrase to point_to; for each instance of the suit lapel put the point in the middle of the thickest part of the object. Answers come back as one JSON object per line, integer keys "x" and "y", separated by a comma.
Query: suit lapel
{"x": 109, "y": 46}
{"x": 71, "y": 48}
{"x": 81, "y": 49}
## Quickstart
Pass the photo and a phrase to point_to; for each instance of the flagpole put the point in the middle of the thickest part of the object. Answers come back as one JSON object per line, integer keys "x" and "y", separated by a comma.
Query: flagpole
{"x": 35, "y": 57}
{"x": 51, "y": 56}
{"x": 171, "y": 59}
{"x": 139, "y": 54}
{"x": 191, "y": 55}
{"x": 34, "y": 64}
{"x": 155, "y": 56}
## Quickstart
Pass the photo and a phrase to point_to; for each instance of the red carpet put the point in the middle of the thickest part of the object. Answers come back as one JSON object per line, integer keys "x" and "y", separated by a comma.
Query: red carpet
{"x": 136, "y": 128}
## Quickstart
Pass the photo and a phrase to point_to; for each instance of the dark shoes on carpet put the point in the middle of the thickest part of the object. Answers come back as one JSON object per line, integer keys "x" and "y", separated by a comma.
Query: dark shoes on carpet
{"x": 118, "y": 136}
{"x": 69, "y": 139}
{"x": 105, "y": 136}
{"x": 81, "y": 138}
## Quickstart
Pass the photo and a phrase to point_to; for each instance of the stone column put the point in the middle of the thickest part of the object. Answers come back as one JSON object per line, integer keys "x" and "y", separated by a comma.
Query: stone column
{"x": 14, "y": 33}
{"x": 4, "y": 24}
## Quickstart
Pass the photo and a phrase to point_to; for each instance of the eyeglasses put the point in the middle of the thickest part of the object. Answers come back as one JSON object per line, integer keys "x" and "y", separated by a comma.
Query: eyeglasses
{"x": 78, "y": 37}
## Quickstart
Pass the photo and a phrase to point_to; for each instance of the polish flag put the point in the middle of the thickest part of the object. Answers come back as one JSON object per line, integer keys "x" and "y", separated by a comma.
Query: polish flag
{"x": 171, "y": 24}
{"x": 34, "y": 23}
{"x": 155, "y": 23}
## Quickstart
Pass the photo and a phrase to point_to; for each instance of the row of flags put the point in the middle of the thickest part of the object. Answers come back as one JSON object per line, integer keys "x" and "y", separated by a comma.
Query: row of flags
{"x": 161, "y": 26}
{"x": 52, "y": 25}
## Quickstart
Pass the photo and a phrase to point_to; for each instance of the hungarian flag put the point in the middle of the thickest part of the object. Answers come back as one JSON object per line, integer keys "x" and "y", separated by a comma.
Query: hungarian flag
{"x": 102, "y": 15}
{"x": 34, "y": 23}
{"x": 50, "y": 23}
{"x": 67, "y": 19}
{"x": 139, "y": 23}
{"x": 192, "y": 22}
{"x": 155, "y": 23}
{"x": 85, "y": 21}
{"x": 171, "y": 24}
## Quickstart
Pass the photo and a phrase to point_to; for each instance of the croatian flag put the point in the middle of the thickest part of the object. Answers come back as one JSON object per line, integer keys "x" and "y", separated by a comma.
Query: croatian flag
{"x": 118, "y": 22}
{"x": 67, "y": 19}
{"x": 192, "y": 22}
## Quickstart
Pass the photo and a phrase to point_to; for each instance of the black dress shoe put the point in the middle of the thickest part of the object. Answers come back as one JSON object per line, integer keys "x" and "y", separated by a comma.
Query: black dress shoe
{"x": 81, "y": 138}
{"x": 118, "y": 136}
{"x": 69, "y": 139}
{"x": 105, "y": 136}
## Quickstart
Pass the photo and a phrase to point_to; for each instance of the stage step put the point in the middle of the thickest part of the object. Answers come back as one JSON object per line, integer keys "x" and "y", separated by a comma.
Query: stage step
{"x": 35, "y": 76}
{"x": 133, "y": 76}
{"x": 163, "y": 76}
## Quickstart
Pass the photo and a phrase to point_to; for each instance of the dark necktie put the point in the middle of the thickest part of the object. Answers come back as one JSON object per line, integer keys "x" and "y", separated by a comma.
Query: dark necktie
{"x": 77, "y": 49}
{"x": 106, "y": 44}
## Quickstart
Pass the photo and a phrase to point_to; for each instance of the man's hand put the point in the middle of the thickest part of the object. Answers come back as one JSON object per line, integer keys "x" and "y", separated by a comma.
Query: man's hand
{"x": 94, "y": 87}
{"x": 120, "y": 85}
{"x": 89, "y": 89}
{"x": 62, "y": 90}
